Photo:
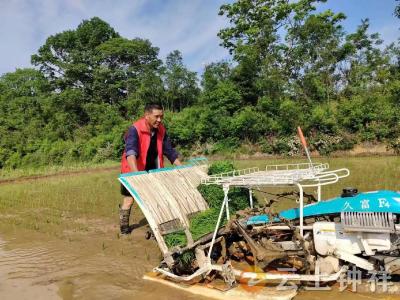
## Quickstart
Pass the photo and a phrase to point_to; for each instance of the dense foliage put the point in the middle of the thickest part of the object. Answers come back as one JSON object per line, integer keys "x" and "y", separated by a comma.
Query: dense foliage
{"x": 291, "y": 65}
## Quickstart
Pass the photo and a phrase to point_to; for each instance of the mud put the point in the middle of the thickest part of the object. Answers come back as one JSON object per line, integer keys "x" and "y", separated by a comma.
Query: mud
{"x": 97, "y": 265}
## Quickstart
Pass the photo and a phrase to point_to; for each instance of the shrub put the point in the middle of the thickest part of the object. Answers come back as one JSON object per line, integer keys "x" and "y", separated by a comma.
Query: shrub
{"x": 266, "y": 146}
{"x": 326, "y": 144}
{"x": 221, "y": 167}
{"x": 286, "y": 145}
{"x": 226, "y": 146}
{"x": 395, "y": 145}
{"x": 249, "y": 124}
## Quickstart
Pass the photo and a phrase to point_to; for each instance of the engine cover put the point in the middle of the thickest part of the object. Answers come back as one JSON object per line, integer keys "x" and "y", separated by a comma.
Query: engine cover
{"x": 330, "y": 237}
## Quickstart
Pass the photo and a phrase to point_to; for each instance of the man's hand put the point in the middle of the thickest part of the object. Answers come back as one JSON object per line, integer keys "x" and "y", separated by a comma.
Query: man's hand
{"x": 132, "y": 163}
{"x": 177, "y": 162}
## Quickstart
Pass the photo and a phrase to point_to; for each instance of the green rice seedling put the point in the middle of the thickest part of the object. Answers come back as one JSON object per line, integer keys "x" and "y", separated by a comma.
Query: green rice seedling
{"x": 61, "y": 203}
{"x": 175, "y": 239}
{"x": 205, "y": 222}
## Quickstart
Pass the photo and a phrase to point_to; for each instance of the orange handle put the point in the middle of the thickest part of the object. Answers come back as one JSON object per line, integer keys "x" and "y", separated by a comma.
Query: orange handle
{"x": 302, "y": 139}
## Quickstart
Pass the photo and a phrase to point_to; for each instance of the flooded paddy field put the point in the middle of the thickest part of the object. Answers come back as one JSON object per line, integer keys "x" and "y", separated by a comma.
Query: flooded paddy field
{"x": 59, "y": 237}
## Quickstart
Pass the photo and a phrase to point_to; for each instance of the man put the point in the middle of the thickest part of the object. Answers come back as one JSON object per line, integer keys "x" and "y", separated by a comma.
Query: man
{"x": 146, "y": 143}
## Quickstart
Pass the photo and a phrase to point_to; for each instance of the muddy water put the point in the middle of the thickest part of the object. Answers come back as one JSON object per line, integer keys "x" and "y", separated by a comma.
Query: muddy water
{"x": 98, "y": 265}
{"x": 92, "y": 262}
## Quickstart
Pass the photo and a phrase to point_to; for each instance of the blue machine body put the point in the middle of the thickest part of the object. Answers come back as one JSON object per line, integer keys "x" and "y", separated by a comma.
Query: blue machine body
{"x": 376, "y": 201}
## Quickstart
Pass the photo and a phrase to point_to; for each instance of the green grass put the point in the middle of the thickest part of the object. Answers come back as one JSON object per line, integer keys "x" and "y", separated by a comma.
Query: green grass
{"x": 53, "y": 169}
{"x": 366, "y": 174}
{"x": 58, "y": 204}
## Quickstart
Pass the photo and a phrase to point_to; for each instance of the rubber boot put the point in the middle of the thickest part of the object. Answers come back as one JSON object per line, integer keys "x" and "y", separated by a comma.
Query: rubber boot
{"x": 124, "y": 220}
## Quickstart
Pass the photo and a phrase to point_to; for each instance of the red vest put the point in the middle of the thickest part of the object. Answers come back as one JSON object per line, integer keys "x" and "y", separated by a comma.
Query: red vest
{"x": 144, "y": 143}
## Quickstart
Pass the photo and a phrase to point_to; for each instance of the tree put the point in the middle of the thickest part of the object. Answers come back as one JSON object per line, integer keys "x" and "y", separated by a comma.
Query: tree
{"x": 283, "y": 48}
{"x": 224, "y": 97}
{"x": 215, "y": 73}
{"x": 365, "y": 64}
{"x": 67, "y": 59}
{"x": 96, "y": 60}
{"x": 180, "y": 83}
{"x": 122, "y": 66}
{"x": 23, "y": 95}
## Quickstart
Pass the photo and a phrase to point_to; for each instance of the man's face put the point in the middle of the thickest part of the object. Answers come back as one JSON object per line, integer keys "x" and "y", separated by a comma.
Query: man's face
{"x": 154, "y": 118}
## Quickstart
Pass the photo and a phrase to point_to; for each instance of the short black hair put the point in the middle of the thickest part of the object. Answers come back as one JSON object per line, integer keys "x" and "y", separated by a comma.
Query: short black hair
{"x": 150, "y": 106}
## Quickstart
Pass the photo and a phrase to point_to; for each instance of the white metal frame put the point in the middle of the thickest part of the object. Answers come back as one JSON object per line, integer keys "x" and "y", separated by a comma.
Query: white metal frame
{"x": 301, "y": 175}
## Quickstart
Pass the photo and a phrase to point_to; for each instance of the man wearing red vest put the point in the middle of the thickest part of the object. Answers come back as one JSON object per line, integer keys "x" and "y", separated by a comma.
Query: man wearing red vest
{"x": 146, "y": 143}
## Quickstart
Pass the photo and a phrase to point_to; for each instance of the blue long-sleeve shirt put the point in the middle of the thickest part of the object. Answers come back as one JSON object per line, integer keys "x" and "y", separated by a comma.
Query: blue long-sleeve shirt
{"x": 132, "y": 145}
